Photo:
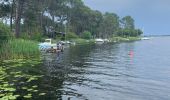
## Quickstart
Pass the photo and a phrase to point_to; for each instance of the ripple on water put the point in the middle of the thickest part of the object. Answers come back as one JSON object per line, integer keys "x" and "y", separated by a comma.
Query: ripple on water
{"x": 107, "y": 72}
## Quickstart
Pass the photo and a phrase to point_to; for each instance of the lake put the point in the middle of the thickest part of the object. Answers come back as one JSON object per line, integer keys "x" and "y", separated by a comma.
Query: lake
{"x": 137, "y": 70}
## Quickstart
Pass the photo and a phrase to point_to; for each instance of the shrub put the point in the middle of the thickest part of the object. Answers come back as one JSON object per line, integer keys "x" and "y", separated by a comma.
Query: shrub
{"x": 36, "y": 37}
{"x": 25, "y": 36}
{"x": 71, "y": 35}
{"x": 86, "y": 35}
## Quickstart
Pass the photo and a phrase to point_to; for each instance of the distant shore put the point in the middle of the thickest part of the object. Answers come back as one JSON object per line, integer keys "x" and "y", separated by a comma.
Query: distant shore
{"x": 116, "y": 39}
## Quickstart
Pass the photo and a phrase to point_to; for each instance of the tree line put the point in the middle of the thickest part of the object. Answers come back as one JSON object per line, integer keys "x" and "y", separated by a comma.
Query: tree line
{"x": 36, "y": 18}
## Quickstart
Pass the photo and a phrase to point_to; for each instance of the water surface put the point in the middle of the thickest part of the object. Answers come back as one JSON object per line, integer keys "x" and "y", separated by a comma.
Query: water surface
{"x": 123, "y": 71}
{"x": 108, "y": 71}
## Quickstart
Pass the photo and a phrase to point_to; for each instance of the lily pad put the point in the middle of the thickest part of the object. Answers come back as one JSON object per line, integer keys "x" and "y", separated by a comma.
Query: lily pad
{"x": 28, "y": 96}
{"x": 32, "y": 78}
{"x": 41, "y": 94}
{"x": 30, "y": 89}
{"x": 17, "y": 65}
{"x": 35, "y": 91}
{"x": 17, "y": 96}
{"x": 5, "y": 85}
{"x": 11, "y": 97}
{"x": 24, "y": 88}
{"x": 35, "y": 86}
{"x": 18, "y": 76}
{"x": 1, "y": 95}
{"x": 5, "y": 82}
{"x": 10, "y": 89}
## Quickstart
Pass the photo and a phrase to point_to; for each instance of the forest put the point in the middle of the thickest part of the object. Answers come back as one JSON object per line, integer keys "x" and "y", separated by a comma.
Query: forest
{"x": 35, "y": 19}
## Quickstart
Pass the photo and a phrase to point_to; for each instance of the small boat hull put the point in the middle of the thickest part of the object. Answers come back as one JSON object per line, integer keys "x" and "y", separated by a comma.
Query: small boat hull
{"x": 99, "y": 41}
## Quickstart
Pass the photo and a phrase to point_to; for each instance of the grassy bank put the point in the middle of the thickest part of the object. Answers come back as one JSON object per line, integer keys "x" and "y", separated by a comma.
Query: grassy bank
{"x": 83, "y": 41}
{"x": 113, "y": 39}
{"x": 124, "y": 39}
{"x": 18, "y": 48}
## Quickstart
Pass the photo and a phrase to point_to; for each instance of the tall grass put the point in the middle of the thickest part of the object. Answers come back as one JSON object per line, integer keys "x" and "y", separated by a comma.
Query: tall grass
{"x": 18, "y": 48}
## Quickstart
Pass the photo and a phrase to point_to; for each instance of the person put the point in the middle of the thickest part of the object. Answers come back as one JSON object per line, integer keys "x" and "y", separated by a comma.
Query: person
{"x": 62, "y": 47}
{"x": 59, "y": 46}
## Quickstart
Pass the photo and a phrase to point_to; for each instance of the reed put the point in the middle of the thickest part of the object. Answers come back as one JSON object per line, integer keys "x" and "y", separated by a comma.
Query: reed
{"x": 18, "y": 48}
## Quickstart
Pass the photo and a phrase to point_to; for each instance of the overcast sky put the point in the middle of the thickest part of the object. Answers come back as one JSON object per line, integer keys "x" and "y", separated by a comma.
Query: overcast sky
{"x": 152, "y": 16}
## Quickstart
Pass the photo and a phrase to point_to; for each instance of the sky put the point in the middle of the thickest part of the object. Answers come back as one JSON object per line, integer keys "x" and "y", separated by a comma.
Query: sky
{"x": 152, "y": 16}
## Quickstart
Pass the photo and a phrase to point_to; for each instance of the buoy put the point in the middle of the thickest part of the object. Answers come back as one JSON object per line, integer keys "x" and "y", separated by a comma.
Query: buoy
{"x": 131, "y": 53}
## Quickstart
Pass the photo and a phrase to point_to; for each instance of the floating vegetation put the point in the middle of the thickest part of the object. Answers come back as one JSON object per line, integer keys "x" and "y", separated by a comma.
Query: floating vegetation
{"x": 35, "y": 86}
{"x": 35, "y": 91}
{"x": 30, "y": 90}
{"x": 32, "y": 79}
{"x": 19, "y": 76}
{"x": 9, "y": 96}
{"x": 28, "y": 96}
{"x": 24, "y": 88}
{"x": 41, "y": 94}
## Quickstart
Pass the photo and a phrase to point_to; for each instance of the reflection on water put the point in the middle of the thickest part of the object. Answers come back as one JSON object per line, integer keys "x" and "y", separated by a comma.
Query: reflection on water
{"x": 108, "y": 71}
{"x": 125, "y": 71}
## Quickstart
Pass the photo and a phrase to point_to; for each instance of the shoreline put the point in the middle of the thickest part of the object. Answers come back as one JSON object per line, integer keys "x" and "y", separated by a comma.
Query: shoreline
{"x": 111, "y": 40}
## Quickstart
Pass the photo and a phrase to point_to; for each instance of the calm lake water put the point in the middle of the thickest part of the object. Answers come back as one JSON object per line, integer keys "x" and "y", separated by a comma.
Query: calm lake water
{"x": 123, "y": 71}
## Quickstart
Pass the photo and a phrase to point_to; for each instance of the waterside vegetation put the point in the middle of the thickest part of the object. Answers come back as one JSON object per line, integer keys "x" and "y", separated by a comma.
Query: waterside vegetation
{"x": 18, "y": 48}
{"x": 72, "y": 20}
{"x": 25, "y": 23}
{"x": 15, "y": 80}
{"x": 36, "y": 19}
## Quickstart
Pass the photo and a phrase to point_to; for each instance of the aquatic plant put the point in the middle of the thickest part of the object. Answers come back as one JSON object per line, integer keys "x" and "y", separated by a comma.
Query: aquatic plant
{"x": 18, "y": 48}
{"x": 16, "y": 81}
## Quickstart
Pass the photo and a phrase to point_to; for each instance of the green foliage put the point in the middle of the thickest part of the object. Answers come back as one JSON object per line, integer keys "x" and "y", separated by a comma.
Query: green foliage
{"x": 4, "y": 32}
{"x": 129, "y": 32}
{"x": 138, "y": 32}
{"x": 71, "y": 35}
{"x": 36, "y": 37}
{"x": 72, "y": 16}
{"x": 86, "y": 35}
{"x": 25, "y": 36}
{"x": 18, "y": 71}
{"x": 128, "y": 22}
{"x": 4, "y": 8}
{"x": 18, "y": 48}
{"x": 109, "y": 25}
{"x": 123, "y": 39}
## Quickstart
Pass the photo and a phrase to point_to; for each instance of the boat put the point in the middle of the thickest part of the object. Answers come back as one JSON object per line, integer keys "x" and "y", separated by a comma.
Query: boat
{"x": 145, "y": 38}
{"x": 99, "y": 41}
{"x": 106, "y": 40}
{"x": 47, "y": 45}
